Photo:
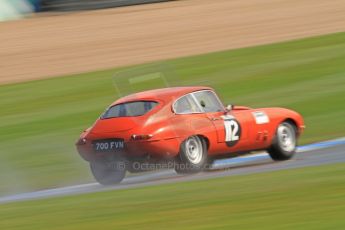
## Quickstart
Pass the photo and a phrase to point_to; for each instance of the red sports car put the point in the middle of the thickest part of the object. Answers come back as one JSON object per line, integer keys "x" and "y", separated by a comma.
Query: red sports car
{"x": 188, "y": 126}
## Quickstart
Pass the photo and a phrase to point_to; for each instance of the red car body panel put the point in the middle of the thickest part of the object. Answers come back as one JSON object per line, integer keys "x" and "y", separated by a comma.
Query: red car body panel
{"x": 168, "y": 130}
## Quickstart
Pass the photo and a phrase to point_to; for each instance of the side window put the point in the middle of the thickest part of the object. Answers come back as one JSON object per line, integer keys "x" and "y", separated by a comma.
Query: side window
{"x": 186, "y": 105}
{"x": 208, "y": 101}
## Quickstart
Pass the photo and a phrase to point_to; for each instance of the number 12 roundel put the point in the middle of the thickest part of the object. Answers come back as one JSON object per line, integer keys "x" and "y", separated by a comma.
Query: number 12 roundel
{"x": 232, "y": 130}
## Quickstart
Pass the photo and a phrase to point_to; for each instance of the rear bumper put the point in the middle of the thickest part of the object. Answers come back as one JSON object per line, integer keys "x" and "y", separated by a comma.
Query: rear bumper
{"x": 167, "y": 148}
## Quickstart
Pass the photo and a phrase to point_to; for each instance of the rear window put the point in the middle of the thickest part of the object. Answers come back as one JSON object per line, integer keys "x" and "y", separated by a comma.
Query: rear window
{"x": 130, "y": 109}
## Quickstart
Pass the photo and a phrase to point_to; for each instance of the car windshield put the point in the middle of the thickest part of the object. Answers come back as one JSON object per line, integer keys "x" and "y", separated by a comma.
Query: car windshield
{"x": 129, "y": 109}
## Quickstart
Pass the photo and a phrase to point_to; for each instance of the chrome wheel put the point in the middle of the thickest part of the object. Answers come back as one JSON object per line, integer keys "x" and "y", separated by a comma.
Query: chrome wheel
{"x": 108, "y": 173}
{"x": 192, "y": 156}
{"x": 194, "y": 151}
{"x": 286, "y": 138}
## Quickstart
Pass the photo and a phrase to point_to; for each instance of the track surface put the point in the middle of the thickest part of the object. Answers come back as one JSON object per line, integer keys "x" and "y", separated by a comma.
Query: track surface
{"x": 51, "y": 45}
{"x": 311, "y": 155}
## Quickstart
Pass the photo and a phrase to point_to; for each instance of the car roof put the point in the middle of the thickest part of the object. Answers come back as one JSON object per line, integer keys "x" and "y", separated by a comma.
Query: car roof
{"x": 163, "y": 94}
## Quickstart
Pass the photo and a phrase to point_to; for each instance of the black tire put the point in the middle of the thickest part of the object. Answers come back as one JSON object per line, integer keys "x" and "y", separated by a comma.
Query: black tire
{"x": 284, "y": 143}
{"x": 108, "y": 173}
{"x": 192, "y": 157}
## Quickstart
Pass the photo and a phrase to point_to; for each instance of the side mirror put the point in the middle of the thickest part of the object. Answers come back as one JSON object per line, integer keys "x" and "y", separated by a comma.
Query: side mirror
{"x": 229, "y": 107}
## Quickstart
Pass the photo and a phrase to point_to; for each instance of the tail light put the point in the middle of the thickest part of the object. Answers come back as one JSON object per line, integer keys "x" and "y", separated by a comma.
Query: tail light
{"x": 81, "y": 141}
{"x": 141, "y": 137}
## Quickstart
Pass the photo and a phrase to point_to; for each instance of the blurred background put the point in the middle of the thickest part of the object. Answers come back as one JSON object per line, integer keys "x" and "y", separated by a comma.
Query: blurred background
{"x": 11, "y": 9}
{"x": 63, "y": 62}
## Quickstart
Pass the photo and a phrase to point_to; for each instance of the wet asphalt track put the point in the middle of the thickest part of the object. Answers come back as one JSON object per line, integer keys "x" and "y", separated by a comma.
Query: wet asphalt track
{"x": 311, "y": 155}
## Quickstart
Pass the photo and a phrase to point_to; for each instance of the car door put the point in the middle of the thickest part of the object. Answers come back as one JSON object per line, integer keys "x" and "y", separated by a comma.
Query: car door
{"x": 232, "y": 127}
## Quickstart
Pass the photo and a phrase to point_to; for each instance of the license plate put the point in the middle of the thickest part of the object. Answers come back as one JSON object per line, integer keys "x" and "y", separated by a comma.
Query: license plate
{"x": 108, "y": 145}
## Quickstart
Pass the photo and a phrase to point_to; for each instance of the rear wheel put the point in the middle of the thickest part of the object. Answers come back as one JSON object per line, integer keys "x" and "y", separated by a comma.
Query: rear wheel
{"x": 285, "y": 142}
{"x": 108, "y": 173}
{"x": 193, "y": 155}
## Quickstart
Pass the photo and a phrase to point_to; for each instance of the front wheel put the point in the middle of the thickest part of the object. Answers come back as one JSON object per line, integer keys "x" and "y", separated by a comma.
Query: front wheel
{"x": 108, "y": 173}
{"x": 285, "y": 142}
{"x": 193, "y": 155}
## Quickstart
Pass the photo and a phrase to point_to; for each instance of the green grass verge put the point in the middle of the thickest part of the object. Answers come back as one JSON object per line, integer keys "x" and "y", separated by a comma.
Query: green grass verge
{"x": 307, "y": 198}
{"x": 40, "y": 120}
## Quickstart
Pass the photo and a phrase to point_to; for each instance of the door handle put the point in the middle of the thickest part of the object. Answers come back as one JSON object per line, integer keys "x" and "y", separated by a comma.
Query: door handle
{"x": 215, "y": 118}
